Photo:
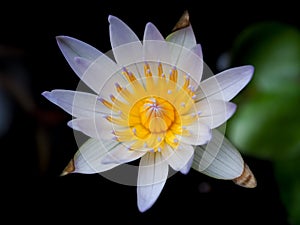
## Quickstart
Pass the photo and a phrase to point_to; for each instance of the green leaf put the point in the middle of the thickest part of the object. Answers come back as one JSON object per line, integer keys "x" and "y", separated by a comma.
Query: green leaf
{"x": 287, "y": 173}
{"x": 274, "y": 50}
{"x": 267, "y": 126}
{"x": 267, "y": 121}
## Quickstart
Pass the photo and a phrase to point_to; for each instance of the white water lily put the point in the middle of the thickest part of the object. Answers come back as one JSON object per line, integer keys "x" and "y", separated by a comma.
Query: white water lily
{"x": 150, "y": 102}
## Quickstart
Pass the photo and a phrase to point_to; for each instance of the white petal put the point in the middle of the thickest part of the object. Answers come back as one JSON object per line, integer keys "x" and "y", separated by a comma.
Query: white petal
{"x": 184, "y": 37}
{"x": 225, "y": 85}
{"x": 215, "y": 112}
{"x": 122, "y": 154}
{"x": 126, "y": 46}
{"x": 156, "y": 51}
{"x": 181, "y": 40}
{"x": 72, "y": 48}
{"x": 155, "y": 47}
{"x": 199, "y": 134}
{"x": 78, "y": 104}
{"x": 219, "y": 158}
{"x": 197, "y": 49}
{"x": 120, "y": 33}
{"x": 152, "y": 33}
{"x": 152, "y": 176}
{"x": 92, "y": 66}
{"x": 96, "y": 127}
{"x": 186, "y": 53}
{"x": 179, "y": 157}
{"x": 88, "y": 158}
{"x": 191, "y": 63}
{"x": 197, "y": 69}
{"x": 188, "y": 166}
{"x": 100, "y": 73}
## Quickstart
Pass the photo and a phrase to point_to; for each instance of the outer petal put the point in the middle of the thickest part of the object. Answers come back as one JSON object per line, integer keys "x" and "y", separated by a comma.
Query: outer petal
{"x": 191, "y": 62}
{"x": 120, "y": 33}
{"x": 152, "y": 176}
{"x": 179, "y": 157}
{"x": 152, "y": 33}
{"x": 121, "y": 155}
{"x": 197, "y": 49}
{"x": 71, "y": 48}
{"x": 88, "y": 158}
{"x": 184, "y": 37}
{"x": 225, "y": 85}
{"x": 215, "y": 112}
{"x": 78, "y": 104}
{"x": 219, "y": 159}
{"x": 186, "y": 53}
{"x": 96, "y": 127}
{"x": 101, "y": 73}
{"x": 155, "y": 48}
{"x": 92, "y": 66}
{"x": 126, "y": 46}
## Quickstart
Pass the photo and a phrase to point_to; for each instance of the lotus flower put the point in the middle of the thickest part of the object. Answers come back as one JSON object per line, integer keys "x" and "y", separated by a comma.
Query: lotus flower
{"x": 150, "y": 102}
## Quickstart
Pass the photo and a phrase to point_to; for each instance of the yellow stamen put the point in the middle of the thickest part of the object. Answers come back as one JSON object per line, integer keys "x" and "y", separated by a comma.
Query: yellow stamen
{"x": 173, "y": 75}
{"x": 106, "y": 103}
{"x": 160, "y": 70}
{"x": 154, "y": 112}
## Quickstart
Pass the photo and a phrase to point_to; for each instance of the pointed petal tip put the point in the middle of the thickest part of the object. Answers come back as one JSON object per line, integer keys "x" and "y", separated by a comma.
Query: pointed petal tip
{"x": 149, "y": 24}
{"x": 143, "y": 208}
{"x": 74, "y": 124}
{"x": 46, "y": 94}
{"x": 183, "y": 22}
{"x": 69, "y": 168}
{"x": 246, "y": 179}
{"x": 51, "y": 96}
{"x": 64, "y": 173}
{"x": 111, "y": 18}
{"x": 144, "y": 205}
{"x": 70, "y": 124}
{"x": 231, "y": 109}
{"x": 61, "y": 38}
{"x": 249, "y": 69}
{"x": 185, "y": 170}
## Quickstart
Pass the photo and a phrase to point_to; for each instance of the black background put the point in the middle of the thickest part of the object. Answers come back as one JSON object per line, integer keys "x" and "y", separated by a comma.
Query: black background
{"x": 34, "y": 192}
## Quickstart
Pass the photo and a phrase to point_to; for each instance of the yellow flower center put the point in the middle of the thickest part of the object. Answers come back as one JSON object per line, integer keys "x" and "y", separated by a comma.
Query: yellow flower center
{"x": 155, "y": 114}
{"x": 152, "y": 111}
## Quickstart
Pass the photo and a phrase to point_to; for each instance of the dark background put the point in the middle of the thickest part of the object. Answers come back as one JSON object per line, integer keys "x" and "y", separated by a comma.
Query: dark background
{"x": 37, "y": 144}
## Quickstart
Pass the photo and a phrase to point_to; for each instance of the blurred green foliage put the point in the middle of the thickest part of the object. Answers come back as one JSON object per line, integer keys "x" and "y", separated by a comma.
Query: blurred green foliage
{"x": 267, "y": 122}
